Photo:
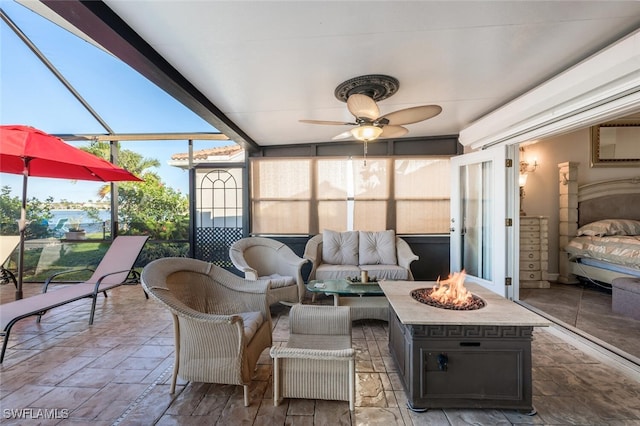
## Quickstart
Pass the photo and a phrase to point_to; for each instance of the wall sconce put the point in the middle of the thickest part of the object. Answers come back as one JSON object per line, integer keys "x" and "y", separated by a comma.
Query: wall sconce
{"x": 525, "y": 169}
{"x": 522, "y": 180}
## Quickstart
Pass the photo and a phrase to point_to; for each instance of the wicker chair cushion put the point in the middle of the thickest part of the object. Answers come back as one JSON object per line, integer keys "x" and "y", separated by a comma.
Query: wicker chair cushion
{"x": 279, "y": 281}
{"x": 386, "y": 272}
{"x": 252, "y": 321}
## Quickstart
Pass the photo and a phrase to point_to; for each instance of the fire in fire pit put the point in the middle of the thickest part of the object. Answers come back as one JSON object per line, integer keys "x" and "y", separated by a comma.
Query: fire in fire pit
{"x": 449, "y": 294}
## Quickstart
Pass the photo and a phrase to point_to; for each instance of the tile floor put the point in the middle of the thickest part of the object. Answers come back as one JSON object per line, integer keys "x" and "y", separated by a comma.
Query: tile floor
{"x": 587, "y": 308}
{"x": 117, "y": 372}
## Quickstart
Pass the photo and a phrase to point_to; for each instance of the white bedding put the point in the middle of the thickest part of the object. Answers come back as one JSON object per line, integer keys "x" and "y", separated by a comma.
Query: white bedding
{"x": 621, "y": 250}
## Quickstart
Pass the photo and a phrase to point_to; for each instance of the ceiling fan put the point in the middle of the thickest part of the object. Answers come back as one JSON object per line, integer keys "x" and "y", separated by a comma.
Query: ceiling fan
{"x": 361, "y": 94}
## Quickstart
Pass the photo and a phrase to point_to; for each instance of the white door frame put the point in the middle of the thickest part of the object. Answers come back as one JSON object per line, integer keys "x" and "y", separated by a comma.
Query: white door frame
{"x": 503, "y": 238}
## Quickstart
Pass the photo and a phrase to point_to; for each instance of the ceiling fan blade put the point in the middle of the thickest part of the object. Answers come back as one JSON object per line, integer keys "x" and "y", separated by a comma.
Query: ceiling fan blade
{"x": 332, "y": 123}
{"x": 343, "y": 135}
{"x": 412, "y": 115}
{"x": 362, "y": 106}
{"x": 393, "y": 131}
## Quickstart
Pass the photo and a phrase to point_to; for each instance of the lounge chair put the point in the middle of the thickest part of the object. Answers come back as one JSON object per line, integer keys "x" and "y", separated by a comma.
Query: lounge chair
{"x": 113, "y": 271}
{"x": 60, "y": 228}
{"x": 8, "y": 244}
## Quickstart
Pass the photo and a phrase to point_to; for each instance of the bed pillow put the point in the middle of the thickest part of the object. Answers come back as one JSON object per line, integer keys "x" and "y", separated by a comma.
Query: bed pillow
{"x": 378, "y": 248}
{"x": 340, "y": 248}
{"x": 605, "y": 227}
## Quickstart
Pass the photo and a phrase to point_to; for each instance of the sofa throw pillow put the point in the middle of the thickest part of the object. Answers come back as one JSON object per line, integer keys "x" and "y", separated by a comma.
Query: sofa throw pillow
{"x": 378, "y": 248}
{"x": 340, "y": 248}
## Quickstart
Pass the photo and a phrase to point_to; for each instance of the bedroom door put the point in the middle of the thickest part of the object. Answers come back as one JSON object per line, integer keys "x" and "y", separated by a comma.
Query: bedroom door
{"x": 478, "y": 218}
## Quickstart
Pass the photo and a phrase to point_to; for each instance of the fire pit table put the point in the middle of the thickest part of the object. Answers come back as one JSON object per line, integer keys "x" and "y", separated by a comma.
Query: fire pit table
{"x": 447, "y": 358}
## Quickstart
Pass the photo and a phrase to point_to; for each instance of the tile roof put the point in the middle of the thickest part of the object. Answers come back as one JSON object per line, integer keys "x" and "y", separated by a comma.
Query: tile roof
{"x": 203, "y": 154}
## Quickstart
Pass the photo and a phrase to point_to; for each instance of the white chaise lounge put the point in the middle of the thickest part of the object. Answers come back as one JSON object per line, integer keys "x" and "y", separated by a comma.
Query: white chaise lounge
{"x": 113, "y": 270}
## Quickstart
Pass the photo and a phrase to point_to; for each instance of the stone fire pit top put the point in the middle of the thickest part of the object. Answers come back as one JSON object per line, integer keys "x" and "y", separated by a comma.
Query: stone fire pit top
{"x": 498, "y": 311}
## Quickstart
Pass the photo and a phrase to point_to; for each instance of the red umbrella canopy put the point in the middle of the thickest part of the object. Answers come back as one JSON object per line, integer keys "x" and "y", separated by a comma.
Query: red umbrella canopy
{"x": 28, "y": 151}
{"x": 45, "y": 155}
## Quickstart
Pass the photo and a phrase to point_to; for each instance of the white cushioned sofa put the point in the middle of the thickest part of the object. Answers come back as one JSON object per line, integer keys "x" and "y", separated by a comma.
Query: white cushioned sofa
{"x": 337, "y": 255}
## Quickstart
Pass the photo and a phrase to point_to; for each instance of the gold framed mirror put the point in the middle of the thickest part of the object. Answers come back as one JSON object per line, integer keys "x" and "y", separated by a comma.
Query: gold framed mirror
{"x": 616, "y": 144}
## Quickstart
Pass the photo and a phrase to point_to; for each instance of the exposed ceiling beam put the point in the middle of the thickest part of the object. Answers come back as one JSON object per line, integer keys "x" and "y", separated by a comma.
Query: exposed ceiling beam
{"x": 144, "y": 137}
{"x": 98, "y": 21}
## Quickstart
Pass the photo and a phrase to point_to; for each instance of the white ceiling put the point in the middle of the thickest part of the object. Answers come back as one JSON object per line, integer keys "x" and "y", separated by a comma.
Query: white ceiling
{"x": 267, "y": 64}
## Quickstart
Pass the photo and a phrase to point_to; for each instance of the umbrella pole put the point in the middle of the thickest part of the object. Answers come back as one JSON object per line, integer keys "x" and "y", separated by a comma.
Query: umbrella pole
{"x": 20, "y": 266}
{"x": 22, "y": 225}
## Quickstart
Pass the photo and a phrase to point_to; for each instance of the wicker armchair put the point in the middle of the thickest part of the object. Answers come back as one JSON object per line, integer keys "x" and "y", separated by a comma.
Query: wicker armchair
{"x": 318, "y": 361}
{"x": 221, "y": 323}
{"x": 264, "y": 258}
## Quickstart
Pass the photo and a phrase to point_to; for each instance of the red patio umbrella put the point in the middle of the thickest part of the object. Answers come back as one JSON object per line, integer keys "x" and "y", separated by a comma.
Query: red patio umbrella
{"x": 31, "y": 152}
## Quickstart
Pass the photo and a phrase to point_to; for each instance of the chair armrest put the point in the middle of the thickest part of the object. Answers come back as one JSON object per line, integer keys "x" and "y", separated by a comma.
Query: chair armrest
{"x": 179, "y": 308}
{"x": 244, "y": 285}
{"x": 6, "y": 274}
{"x": 322, "y": 354}
{"x": 241, "y": 265}
{"x": 312, "y": 249}
{"x": 50, "y": 280}
{"x": 290, "y": 259}
{"x": 313, "y": 252}
{"x": 405, "y": 255}
{"x": 243, "y": 295}
{"x": 253, "y": 302}
{"x": 216, "y": 335}
{"x": 96, "y": 288}
{"x": 290, "y": 264}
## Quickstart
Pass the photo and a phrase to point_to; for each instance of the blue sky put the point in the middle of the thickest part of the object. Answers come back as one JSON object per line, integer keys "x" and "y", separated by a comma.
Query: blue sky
{"x": 30, "y": 94}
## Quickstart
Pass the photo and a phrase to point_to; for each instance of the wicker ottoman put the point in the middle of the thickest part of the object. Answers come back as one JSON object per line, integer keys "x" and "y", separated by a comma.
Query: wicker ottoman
{"x": 626, "y": 297}
{"x": 318, "y": 361}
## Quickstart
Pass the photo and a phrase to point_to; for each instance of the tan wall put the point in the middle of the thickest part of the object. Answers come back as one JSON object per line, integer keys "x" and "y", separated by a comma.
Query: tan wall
{"x": 541, "y": 192}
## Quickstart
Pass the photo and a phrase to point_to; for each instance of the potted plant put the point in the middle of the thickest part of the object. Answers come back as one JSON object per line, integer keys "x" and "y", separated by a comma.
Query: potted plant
{"x": 75, "y": 231}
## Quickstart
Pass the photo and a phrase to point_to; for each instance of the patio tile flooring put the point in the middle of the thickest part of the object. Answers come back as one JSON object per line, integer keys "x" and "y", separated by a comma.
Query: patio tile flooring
{"x": 118, "y": 371}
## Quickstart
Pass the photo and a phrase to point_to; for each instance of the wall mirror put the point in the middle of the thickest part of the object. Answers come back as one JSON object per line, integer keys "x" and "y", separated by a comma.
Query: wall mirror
{"x": 616, "y": 144}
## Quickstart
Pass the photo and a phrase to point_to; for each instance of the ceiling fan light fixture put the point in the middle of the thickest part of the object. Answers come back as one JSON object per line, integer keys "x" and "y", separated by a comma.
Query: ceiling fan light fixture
{"x": 361, "y": 95}
{"x": 366, "y": 133}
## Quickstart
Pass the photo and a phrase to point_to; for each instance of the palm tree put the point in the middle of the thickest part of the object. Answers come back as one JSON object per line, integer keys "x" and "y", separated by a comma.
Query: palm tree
{"x": 127, "y": 159}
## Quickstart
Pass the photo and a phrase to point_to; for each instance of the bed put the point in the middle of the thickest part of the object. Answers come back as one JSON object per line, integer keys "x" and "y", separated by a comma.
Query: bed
{"x": 603, "y": 243}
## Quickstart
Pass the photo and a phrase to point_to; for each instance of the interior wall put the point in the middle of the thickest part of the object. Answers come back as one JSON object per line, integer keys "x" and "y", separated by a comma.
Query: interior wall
{"x": 541, "y": 190}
